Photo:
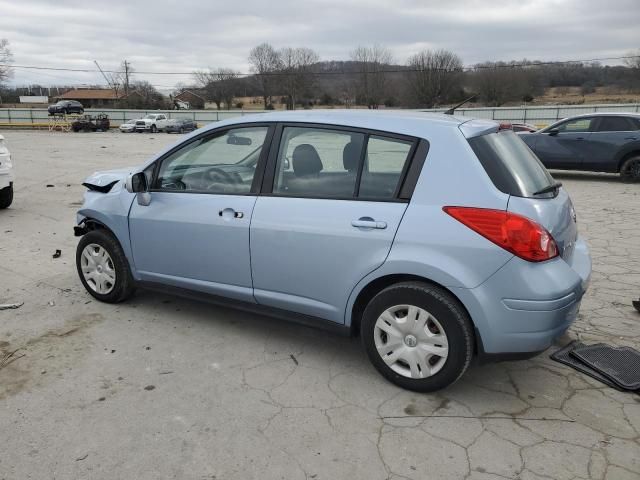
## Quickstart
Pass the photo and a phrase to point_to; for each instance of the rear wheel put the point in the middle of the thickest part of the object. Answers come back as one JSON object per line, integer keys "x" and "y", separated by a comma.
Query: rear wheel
{"x": 630, "y": 169}
{"x": 417, "y": 336}
{"x": 103, "y": 268}
{"x": 6, "y": 197}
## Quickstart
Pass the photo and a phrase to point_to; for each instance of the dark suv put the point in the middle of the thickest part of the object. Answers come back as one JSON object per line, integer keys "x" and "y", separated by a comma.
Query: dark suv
{"x": 598, "y": 142}
{"x": 65, "y": 107}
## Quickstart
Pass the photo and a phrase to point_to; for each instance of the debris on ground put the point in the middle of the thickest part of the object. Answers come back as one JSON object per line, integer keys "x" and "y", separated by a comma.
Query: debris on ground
{"x": 52, "y": 303}
{"x": 79, "y": 459}
{"x": 49, "y": 185}
{"x": 57, "y": 253}
{"x": 295, "y": 360}
{"x": 9, "y": 357}
{"x": 617, "y": 367}
{"x": 150, "y": 387}
{"x": 10, "y": 306}
{"x": 636, "y": 304}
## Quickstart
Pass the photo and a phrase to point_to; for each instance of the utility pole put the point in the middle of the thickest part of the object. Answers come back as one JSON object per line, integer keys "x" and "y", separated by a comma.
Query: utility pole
{"x": 126, "y": 78}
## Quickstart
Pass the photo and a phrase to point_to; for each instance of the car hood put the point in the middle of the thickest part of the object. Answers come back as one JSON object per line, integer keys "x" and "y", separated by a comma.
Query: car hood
{"x": 145, "y": 120}
{"x": 101, "y": 179}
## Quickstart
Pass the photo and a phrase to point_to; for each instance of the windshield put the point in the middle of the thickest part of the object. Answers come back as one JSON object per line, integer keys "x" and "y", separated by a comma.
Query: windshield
{"x": 150, "y": 117}
{"x": 511, "y": 165}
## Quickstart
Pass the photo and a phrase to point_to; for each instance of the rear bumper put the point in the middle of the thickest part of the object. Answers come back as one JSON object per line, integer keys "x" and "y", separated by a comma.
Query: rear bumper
{"x": 524, "y": 306}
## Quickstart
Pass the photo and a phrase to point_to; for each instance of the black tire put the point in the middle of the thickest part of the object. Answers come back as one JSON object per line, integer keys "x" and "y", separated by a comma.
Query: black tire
{"x": 630, "y": 169}
{"x": 6, "y": 197}
{"x": 452, "y": 317}
{"x": 124, "y": 285}
{"x": 154, "y": 129}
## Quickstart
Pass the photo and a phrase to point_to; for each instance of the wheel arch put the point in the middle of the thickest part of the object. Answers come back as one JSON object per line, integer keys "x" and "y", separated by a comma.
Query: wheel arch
{"x": 626, "y": 156}
{"x": 378, "y": 284}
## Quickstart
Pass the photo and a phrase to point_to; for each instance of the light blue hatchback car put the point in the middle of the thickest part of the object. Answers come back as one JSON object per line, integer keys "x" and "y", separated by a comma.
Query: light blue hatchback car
{"x": 435, "y": 238}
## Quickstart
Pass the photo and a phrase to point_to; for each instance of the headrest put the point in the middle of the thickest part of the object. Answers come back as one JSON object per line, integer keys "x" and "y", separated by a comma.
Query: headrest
{"x": 351, "y": 156}
{"x": 306, "y": 160}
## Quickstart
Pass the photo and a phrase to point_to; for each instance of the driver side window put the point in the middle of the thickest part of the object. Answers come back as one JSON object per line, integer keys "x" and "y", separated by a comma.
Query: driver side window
{"x": 223, "y": 163}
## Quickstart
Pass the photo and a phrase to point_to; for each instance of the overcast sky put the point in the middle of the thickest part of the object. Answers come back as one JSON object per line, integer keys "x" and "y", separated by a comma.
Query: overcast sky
{"x": 183, "y": 35}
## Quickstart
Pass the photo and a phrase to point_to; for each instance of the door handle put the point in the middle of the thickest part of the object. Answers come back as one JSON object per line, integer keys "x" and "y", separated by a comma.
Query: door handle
{"x": 230, "y": 213}
{"x": 630, "y": 138}
{"x": 368, "y": 222}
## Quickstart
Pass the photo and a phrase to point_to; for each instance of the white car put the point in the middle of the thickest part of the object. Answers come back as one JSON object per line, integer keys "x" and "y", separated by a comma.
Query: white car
{"x": 6, "y": 175}
{"x": 152, "y": 122}
{"x": 129, "y": 125}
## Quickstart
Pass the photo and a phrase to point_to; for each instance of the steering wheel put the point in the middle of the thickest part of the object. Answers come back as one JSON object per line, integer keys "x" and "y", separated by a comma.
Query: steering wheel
{"x": 217, "y": 175}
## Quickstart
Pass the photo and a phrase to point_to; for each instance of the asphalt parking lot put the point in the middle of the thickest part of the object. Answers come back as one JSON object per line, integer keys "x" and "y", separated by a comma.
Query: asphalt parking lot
{"x": 161, "y": 387}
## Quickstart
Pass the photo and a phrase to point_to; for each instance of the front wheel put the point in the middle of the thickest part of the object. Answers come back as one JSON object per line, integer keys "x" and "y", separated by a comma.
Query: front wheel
{"x": 417, "y": 336}
{"x": 103, "y": 268}
{"x": 630, "y": 169}
{"x": 6, "y": 197}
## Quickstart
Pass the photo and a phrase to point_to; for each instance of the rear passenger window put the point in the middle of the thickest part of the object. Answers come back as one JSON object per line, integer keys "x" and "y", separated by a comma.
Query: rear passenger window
{"x": 385, "y": 161}
{"x": 314, "y": 162}
{"x": 615, "y": 124}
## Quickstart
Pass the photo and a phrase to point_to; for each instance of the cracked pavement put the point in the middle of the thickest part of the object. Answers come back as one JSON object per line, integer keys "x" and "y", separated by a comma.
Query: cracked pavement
{"x": 162, "y": 387}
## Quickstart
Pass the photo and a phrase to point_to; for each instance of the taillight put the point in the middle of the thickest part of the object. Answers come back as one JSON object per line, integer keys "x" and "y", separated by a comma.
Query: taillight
{"x": 515, "y": 233}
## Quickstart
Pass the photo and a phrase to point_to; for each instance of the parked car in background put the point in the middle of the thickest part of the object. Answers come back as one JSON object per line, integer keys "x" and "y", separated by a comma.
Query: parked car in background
{"x": 355, "y": 220}
{"x": 64, "y": 107}
{"x": 152, "y": 122}
{"x": 128, "y": 126}
{"x": 180, "y": 125}
{"x": 91, "y": 123}
{"x": 598, "y": 142}
{"x": 524, "y": 128}
{"x": 6, "y": 175}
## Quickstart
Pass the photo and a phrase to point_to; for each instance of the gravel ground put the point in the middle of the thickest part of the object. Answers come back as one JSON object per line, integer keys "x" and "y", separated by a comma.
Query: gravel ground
{"x": 161, "y": 387}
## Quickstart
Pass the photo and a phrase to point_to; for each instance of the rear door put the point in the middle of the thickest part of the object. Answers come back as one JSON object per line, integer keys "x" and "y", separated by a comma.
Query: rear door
{"x": 611, "y": 134}
{"x": 327, "y": 216}
{"x": 565, "y": 145}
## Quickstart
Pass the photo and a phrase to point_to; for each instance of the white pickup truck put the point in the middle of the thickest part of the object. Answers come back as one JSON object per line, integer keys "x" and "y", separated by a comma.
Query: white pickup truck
{"x": 153, "y": 122}
{"x": 6, "y": 175}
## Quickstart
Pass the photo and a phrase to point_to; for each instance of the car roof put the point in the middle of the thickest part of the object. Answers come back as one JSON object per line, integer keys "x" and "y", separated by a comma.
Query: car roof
{"x": 407, "y": 122}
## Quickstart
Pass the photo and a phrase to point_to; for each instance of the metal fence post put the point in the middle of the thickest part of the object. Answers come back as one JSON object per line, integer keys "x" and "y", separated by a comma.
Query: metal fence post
{"x": 557, "y": 114}
{"x": 9, "y": 114}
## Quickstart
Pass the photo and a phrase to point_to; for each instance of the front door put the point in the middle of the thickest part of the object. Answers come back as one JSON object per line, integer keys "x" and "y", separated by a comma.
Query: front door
{"x": 194, "y": 233}
{"x": 328, "y": 218}
{"x": 566, "y": 145}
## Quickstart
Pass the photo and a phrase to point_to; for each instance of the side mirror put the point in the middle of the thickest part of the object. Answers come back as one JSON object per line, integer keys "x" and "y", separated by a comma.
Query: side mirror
{"x": 286, "y": 164}
{"x": 137, "y": 183}
{"x": 553, "y": 132}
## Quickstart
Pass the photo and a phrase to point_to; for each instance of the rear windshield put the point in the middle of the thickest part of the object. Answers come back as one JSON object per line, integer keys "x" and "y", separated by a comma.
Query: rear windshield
{"x": 511, "y": 165}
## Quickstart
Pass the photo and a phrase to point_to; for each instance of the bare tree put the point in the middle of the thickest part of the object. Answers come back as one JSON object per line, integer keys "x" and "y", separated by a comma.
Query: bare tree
{"x": 6, "y": 57}
{"x": 371, "y": 78}
{"x": 634, "y": 59}
{"x": 219, "y": 85}
{"x": 265, "y": 61}
{"x": 433, "y": 75}
{"x": 297, "y": 72}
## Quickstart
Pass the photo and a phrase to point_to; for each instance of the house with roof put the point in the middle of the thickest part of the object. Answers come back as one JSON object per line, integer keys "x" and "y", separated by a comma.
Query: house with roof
{"x": 97, "y": 97}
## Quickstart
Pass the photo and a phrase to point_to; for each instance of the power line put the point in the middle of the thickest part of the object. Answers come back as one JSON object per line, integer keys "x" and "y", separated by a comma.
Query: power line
{"x": 493, "y": 65}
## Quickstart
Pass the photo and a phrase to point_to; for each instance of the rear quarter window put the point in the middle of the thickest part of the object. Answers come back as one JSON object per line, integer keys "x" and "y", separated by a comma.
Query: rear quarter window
{"x": 513, "y": 168}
